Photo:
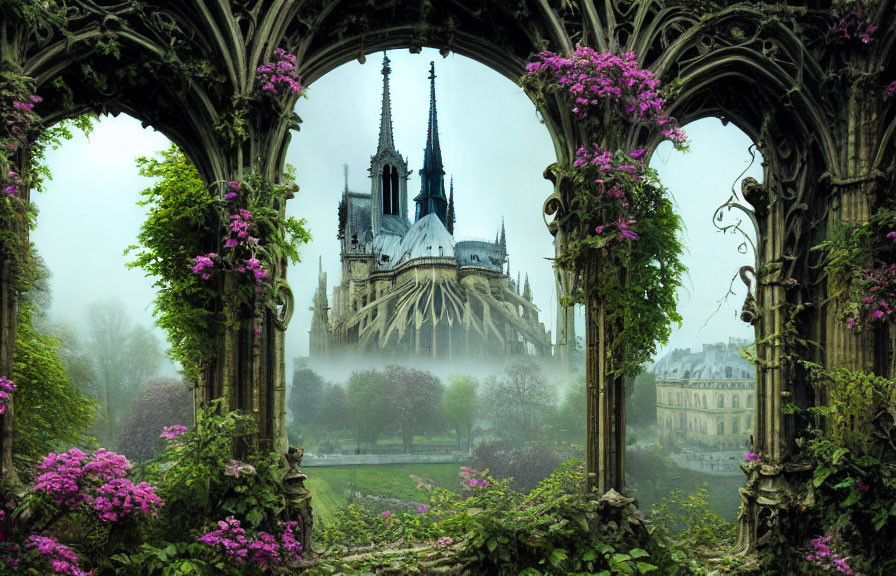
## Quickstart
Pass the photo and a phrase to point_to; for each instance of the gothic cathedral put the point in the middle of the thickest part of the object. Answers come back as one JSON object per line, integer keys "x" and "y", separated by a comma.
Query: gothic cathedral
{"x": 411, "y": 289}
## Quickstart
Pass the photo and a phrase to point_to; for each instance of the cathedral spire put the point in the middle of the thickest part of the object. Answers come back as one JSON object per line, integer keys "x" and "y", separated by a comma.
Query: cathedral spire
{"x": 432, "y": 198}
{"x": 386, "y": 140}
{"x": 452, "y": 217}
{"x": 503, "y": 240}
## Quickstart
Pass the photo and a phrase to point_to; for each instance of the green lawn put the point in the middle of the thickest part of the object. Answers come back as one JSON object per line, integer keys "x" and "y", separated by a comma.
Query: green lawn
{"x": 328, "y": 485}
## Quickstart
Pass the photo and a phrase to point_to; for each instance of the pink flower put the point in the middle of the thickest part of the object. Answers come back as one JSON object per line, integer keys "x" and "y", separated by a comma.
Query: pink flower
{"x": 235, "y": 185}
{"x": 386, "y": 514}
{"x": 172, "y": 432}
{"x": 11, "y": 190}
{"x": 751, "y": 457}
{"x": 445, "y": 541}
{"x": 862, "y": 486}
{"x": 231, "y": 196}
{"x": 851, "y": 322}
{"x": 422, "y": 509}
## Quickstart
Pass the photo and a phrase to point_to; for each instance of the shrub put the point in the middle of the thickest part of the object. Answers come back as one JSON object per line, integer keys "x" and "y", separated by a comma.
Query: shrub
{"x": 163, "y": 402}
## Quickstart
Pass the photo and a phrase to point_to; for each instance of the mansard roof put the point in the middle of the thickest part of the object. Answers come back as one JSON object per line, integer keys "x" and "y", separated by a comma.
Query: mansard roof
{"x": 716, "y": 361}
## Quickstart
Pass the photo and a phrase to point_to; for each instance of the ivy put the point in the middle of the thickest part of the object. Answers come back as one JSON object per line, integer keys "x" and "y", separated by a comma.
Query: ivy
{"x": 174, "y": 231}
{"x": 622, "y": 232}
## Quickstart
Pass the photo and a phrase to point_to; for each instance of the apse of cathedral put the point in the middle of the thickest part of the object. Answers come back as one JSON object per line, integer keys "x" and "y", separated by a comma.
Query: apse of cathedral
{"x": 409, "y": 288}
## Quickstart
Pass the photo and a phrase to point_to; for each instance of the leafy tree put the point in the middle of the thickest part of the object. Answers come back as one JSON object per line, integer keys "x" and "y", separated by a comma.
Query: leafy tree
{"x": 459, "y": 407}
{"x": 164, "y": 402}
{"x": 641, "y": 410}
{"x": 415, "y": 401}
{"x": 518, "y": 400}
{"x": 306, "y": 395}
{"x": 50, "y": 410}
{"x": 125, "y": 357}
{"x": 174, "y": 233}
{"x": 334, "y": 409}
{"x": 571, "y": 413}
{"x": 368, "y": 405}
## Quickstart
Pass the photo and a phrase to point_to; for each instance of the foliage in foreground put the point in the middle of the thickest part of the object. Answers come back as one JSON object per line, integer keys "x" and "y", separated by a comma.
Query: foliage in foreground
{"x": 493, "y": 529}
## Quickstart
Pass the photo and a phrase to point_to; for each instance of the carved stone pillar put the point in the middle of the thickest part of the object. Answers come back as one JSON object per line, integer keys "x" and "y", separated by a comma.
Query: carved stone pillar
{"x": 846, "y": 347}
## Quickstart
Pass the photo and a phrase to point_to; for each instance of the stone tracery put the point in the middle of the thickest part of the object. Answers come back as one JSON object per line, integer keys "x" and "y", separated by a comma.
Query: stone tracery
{"x": 810, "y": 103}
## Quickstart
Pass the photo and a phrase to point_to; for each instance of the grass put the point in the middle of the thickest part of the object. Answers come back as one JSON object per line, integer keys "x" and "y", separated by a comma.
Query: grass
{"x": 328, "y": 485}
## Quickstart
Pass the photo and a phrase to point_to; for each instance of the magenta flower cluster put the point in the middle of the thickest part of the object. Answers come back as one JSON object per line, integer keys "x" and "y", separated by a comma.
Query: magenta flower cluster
{"x": 593, "y": 80}
{"x": 280, "y": 76}
{"x": 72, "y": 479}
{"x": 62, "y": 558}
{"x": 172, "y": 432}
{"x": 827, "y": 560}
{"x": 890, "y": 91}
{"x": 204, "y": 265}
{"x": 469, "y": 479}
{"x": 854, "y": 21}
{"x": 6, "y": 388}
{"x": 751, "y": 457}
{"x": 878, "y": 303}
{"x": 238, "y": 234}
{"x": 17, "y": 118}
{"x": 264, "y": 550}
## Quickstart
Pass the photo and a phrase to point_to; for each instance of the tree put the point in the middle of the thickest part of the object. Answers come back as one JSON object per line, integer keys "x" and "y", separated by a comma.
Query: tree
{"x": 641, "y": 409}
{"x": 571, "y": 413}
{"x": 334, "y": 411}
{"x": 125, "y": 356}
{"x": 175, "y": 231}
{"x": 459, "y": 407}
{"x": 163, "y": 402}
{"x": 50, "y": 409}
{"x": 368, "y": 405}
{"x": 415, "y": 402}
{"x": 306, "y": 395}
{"x": 517, "y": 401}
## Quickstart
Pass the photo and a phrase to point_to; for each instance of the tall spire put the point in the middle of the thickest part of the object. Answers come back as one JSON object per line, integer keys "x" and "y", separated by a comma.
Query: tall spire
{"x": 386, "y": 140}
{"x": 451, "y": 218}
{"x": 503, "y": 240}
{"x": 432, "y": 155}
{"x": 432, "y": 196}
{"x": 345, "y": 171}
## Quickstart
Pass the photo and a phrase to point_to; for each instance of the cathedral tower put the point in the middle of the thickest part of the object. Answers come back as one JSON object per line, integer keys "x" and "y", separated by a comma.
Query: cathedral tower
{"x": 388, "y": 173}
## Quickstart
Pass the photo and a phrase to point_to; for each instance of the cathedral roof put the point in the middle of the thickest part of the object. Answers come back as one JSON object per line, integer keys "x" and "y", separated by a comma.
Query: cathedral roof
{"x": 427, "y": 238}
{"x": 716, "y": 361}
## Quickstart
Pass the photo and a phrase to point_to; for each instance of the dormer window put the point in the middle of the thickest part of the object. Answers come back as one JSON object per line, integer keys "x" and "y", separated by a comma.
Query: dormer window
{"x": 441, "y": 251}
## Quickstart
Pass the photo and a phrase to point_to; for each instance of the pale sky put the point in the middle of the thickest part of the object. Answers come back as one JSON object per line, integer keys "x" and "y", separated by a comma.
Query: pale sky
{"x": 492, "y": 143}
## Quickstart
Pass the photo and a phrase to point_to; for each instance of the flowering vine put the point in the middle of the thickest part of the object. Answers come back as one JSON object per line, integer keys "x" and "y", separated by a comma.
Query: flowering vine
{"x": 620, "y": 227}
{"x": 853, "y": 20}
{"x": 257, "y": 237}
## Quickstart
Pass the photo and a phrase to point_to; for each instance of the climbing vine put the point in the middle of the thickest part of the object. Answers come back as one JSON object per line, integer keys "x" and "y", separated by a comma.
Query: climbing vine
{"x": 255, "y": 239}
{"x": 622, "y": 230}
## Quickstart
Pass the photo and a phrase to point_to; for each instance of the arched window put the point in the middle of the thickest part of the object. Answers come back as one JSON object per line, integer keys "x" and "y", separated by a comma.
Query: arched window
{"x": 735, "y": 402}
{"x": 750, "y": 401}
{"x": 395, "y": 202}
{"x": 735, "y": 425}
{"x": 720, "y": 428}
{"x": 387, "y": 189}
{"x": 705, "y": 405}
{"x": 728, "y": 371}
{"x": 687, "y": 374}
{"x": 721, "y": 402}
